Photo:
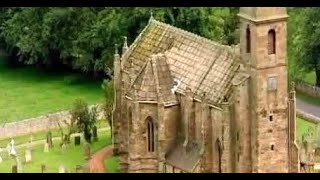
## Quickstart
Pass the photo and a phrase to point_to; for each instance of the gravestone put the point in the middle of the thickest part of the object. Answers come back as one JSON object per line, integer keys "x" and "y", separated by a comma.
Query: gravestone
{"x": 14, "y": 169}
{"x": 13, "y": 151}
{"x": 0, "y": 155}
{"x": 63, "y": 148}
{"x": 46, "y": 147}
{"x": 43, "y": 168}
{"x": 77, "y": 140}
{"x": 62, "y": 169}
{"x": 28, "y": 155}
{"x": 19, "y": 164}
{"x": 49, "y": 139}
{"x": 31, "y": 138}
{"x": 87, "y": 153}
{"x": 95, "y": 133}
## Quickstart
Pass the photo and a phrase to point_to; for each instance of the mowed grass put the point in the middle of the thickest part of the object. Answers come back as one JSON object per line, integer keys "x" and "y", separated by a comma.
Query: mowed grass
{"x": 54, "y": 158}
{"x": 310, "y": 77}
{"x": 303, "y": 127}
{"x": 28, "y": 92}
{"x": 112, "y": 164}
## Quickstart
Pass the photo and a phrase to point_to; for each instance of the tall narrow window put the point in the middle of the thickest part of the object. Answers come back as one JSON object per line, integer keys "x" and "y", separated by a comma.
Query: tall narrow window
{"x": 271, "y": 42}
{"x": 151, "y": 137}
{"x": 248, "y": 40}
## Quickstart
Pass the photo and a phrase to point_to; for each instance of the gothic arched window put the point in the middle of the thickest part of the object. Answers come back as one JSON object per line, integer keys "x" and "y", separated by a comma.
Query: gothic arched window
{"x": 151, "y": 135}
{"x": 248, "y": 40}
{"x": 271, "y": 41}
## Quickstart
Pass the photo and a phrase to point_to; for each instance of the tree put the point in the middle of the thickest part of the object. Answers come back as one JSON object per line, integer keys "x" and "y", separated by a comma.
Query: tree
{"x": 310, "y": 41}
{"x": 84, "y": 118}
{"x": 108, "y": 90}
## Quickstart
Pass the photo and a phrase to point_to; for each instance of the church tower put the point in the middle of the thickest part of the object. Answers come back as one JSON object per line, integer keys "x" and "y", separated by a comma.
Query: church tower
{"x": 263, "y": 46}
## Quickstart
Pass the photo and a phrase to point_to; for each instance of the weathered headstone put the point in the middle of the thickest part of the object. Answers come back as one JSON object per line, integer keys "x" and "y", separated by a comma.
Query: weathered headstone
{"x": 31, "y": 138}
{"x": 87, "y": 153}
{"x": 77, "y": 140}
{"x": 43, "y": 168}
{"x": 28, "y": 155}
{"x": 19, "y": 164}
{"x": 63, "y": 148}
{"x": 62, "y": 169}
{"x": 46, "y": 147}
{"x": 0, "y": 159}
{"x": 95, "y": 133}
{"x": 14, "y": 169}
{"x": 49, "y": 139}
{"x": 12, "y": 148}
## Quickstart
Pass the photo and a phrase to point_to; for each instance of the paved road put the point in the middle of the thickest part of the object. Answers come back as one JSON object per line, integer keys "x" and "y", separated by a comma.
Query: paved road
{"x": 308, "y": 108}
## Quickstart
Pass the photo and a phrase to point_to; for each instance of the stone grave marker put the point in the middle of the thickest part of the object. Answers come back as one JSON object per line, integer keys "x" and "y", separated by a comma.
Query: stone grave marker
{"x": 18, "y": 164}
{"x": 14, "y": 169}
{"x": 62, "y": 169}
{"x": 87, "y": 153}
{"x": 46, "y": 147}
{"x": 63, "y": 148}
{"x": 28, "y": 155}
{"x": 95, "y": 133}
{"x": 49, "y": 139}
{"x": 0, "y": 155}
{"x": 13, "y": 151}
{"x": 31, "y": 138}
{"x": 77, "y": 140}
{"x": 43, "y": 168}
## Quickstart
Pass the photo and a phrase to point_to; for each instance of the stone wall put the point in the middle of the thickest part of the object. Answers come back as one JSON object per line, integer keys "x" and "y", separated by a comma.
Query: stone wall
{"x": 307, "y": 117}
{"x": 308, "y": 89}
{"x": 41, "y": 123}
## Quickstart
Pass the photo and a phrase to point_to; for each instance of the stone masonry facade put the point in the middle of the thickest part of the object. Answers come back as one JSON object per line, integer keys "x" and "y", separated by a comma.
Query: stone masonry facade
{"x": 184, "y": 103}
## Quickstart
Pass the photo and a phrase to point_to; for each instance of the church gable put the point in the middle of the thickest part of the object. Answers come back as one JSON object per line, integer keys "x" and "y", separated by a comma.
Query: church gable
{"x": 154, "y": 81}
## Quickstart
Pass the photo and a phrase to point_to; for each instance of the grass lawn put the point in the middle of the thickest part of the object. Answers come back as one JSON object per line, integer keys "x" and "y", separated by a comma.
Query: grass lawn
{"x": 28, "y": 92}
{"x": 112, "y": 164}
{"x": 302, "y": 128}
{"x": 54, "y": 158}
{"x": 310, "y": 77}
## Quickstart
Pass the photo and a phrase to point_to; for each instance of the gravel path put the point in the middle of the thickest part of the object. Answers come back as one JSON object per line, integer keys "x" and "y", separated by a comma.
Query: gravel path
{"x": 308, "y": 108}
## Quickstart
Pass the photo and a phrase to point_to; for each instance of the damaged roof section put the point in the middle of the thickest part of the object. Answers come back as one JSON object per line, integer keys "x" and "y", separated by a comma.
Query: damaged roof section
{"x": 196, "y": 62}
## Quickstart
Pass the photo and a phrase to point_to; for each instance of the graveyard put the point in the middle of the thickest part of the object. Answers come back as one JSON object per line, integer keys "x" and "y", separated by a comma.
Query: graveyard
{"x": 36, "y": 157}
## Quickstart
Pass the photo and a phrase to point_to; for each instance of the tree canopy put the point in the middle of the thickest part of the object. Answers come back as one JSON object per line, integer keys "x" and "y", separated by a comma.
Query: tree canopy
{"x": 83, "y": 38}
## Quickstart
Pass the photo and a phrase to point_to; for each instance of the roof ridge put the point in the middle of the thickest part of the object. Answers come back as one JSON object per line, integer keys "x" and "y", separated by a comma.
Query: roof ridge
{"x": 212, "y": 42}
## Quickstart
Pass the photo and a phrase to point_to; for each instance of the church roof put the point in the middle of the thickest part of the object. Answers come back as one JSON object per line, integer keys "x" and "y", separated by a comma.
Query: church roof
{"x": 182, "y": 158}
{"x": 196, "y": 62}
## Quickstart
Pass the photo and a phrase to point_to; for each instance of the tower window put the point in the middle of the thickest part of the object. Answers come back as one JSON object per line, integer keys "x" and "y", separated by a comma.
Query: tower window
{"x": 271, "y": 41}
{"x": 151, "y": 137}
{"x": 248, "y": 40}
{"x": 237, "y": 136}
{"x": 272, "y": 147}
{"x": 270, "y": 118}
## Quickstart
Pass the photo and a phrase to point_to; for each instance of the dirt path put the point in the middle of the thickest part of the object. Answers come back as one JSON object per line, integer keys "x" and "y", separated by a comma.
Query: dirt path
{"x": 96, "y": 163}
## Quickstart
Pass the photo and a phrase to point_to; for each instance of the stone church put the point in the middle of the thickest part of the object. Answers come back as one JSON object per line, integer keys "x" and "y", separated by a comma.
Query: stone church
{"x": 184, "y": 103}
